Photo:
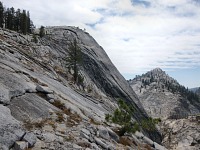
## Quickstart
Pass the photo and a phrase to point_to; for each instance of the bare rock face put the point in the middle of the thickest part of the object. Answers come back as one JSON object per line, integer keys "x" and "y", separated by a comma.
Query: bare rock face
{"x": 30, "y": 106}
{"x": 163, "y": 97}
{"x": 35, "y": 84}
{"x": 10, "y": 128}
{"x": 181, "y": 134}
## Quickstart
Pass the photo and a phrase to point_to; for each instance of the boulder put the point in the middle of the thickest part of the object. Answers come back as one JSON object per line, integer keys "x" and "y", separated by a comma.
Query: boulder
{"x": 30, "y": 106}
{"x": 101, "y": 143}
{"x": 44, "y": 89}
{"x": 50, "y": 96}
{"x": 20, "y": 145}
{"x": 139, "y": 135}
{"x": 94, "y": 146}
{"x": 85, "y": 131}
{"x": 103, "y": 132}
{"x": 49, "y": 137}
{"x": 10, "y": 129}
{"x": 83, "y": 135}
{"x": 30, "y": 138}
{"x": 39, "y": 145}
{"x": 61, "y": 128}
{"x": 4, "y": 95}
{"x": 159, "y": 147}
{"x": 148, "y": 141}
{"x": 113, "y": 135}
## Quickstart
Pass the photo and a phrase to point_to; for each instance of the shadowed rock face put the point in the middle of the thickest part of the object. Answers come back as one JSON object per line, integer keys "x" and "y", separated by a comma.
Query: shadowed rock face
{"x": 28, "y": 68}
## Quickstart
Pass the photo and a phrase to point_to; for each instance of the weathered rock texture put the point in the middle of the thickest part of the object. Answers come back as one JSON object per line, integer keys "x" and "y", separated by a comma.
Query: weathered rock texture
{"x": 182, "y": 134}
{"x": 163, "y": 97}
{"x": 38, "y": 90}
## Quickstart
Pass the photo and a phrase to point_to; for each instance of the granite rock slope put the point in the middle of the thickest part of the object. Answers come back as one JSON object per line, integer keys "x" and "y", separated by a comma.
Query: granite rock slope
{"x": 38, "y": 97}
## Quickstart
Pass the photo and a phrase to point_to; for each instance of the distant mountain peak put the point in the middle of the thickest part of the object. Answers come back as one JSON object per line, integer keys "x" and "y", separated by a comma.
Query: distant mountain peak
{"x": 163, "y": 96}
{"x": 158, "y": 70}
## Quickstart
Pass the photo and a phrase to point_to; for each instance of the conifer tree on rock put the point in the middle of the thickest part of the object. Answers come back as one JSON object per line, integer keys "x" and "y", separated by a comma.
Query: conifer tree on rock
{"x": 74, "y": 59}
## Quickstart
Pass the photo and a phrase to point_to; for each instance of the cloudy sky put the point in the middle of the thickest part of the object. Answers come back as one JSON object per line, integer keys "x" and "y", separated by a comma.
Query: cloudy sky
{"x": 138, "y": 35}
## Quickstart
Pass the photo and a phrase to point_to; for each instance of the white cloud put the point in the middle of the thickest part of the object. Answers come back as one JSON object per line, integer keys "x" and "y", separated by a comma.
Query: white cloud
{"x": 138, "y": 35}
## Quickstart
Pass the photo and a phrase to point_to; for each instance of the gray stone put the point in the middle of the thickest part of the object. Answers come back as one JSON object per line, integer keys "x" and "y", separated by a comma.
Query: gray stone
{"x": 4, "y": 95}
{"x": 75, "y": 146}
{"x": 91, "y": 139}
{"x": 94, "y": 146}
{"x": 139, "y": 135}
{"x": 10, "y": 128}
{"x": 59, "y": 139}
{"x": 31, "y": 106}
{"x": 30, "y": 138}
{"x": 11, "y": 85}
{"x": 51, "y": 101}
{"x": 48, "y": 128}
{"x": 101, "y": 143}
{"x": 49, "y": 137}
{"x": 148, "y": 141}
{"x": 159, "y": 147}
{"x": 83, "y": 135}
{"x": 61, "y": 128}
{"x": 87, "y": 132}
{"x": 50, "y": 96}
{"x": 136, "y": 139}
{"x": 103, "y": 132}
{"x": 20, "y": 145}
{"x": 113, "y": 135}
{"x": 60, "y": 134}
{"x": 3, "y": 147}
{"x": 39, "y": 145}
{"x": 43, "y": 89}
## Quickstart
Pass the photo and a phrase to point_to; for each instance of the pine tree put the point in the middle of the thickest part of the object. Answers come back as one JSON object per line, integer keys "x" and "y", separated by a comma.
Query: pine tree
{"x": 1, "y": 15}
{"x": 74, "y": 59}
{"x": 17, "y": 20}
{"x": 42, "y": 31}
{"x": 23, "y": 22}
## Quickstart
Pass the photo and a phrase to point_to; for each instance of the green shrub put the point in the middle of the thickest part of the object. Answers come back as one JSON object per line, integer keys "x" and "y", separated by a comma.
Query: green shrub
{"x": 108, "y": 117}
{"x": 122, "y": 116}
{"x": 150, "y": 123}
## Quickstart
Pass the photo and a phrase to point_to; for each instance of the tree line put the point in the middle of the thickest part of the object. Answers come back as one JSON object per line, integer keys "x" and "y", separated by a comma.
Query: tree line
{"x": 17, "y": 20}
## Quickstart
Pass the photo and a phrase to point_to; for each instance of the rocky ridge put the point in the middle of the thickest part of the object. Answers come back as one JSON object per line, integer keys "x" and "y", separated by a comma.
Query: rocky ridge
{"x": 163, "y": 97}
{"x": 198, "y": 92}
{"x": 42, "y": 108}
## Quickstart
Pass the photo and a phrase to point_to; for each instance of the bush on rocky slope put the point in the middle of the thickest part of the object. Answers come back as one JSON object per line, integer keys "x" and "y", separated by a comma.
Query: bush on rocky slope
{"x": 122, "y": 116}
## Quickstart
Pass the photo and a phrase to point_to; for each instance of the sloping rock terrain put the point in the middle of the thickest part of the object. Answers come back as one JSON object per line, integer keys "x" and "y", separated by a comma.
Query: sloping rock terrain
{"x": 181, "y": 134}
{"x": 163, "y": 97}
{"x": 41, "y": 107}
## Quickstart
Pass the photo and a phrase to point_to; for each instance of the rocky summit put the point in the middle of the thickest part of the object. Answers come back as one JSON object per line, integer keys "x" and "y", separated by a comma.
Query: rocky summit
{"x": 163, "y": 97}
{"x": 42, "y": 108}
{"x": 177, "y": 107}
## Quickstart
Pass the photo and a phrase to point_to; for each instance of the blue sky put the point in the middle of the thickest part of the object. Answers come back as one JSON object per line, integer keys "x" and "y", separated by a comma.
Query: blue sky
{"x": 138, "y": 35}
